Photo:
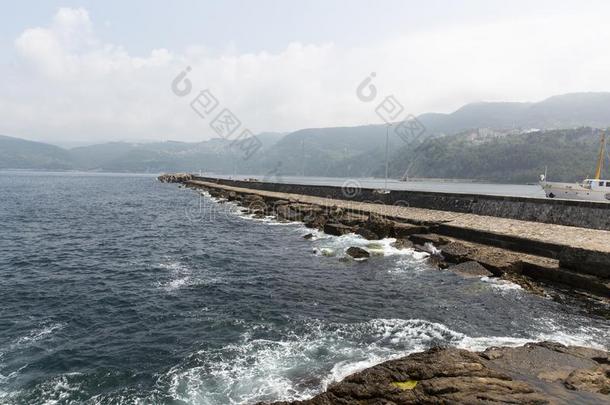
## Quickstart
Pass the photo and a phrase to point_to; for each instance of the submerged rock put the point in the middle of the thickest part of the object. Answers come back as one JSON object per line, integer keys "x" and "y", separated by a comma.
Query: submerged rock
{"x": 357, "y": 253}
{"x": 536, "y": 373}
{"x": 376, "y": 249}
{"x": 324, "y": 251}
{"x": 308, "y": 236}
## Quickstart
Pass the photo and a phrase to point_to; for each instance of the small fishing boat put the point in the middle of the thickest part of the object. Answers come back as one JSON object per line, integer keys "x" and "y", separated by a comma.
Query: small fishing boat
{"x": 595, "y": 189}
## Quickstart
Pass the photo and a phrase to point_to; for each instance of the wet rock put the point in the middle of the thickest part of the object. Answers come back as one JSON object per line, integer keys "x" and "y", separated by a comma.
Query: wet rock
{"x": 379, "y": 225}
{"x": 307, "y": 212}
{"x": 286, "y": 212}
{"x": 214, "y": 192}
{"x": 578, "y": 368}
{"x": 338, "y": 229}
{"x": 455, "y": 252}
{"x": 256, "y": 207}
{"x": 324, "y": 252}
{"x": 470, "y": 269}
{"x": 587, "y": 261}
{"x": 524, "y": 283}
{"x": 349, "y": 218}
{"x": 402, "y": 244}
{"x": 175, "y": 177}
{"x": 357, "y": 253}
{"x": 367, "y": 234}
{"x": 595, "y": 380}
{"x": 251, "y": 198}
{"x": 428, "y": 248}
{"x": 502, "y": 375}
{"x": 317, "y": 222}
{"x": 497, "y": 261}
{"x": 422, "y": 239}
{"x": 437, "y": 261}
{"x": 436, "y": 376}
{"x": 307, "y": 209}
{"x": 308, "y": 236}
{"x": 335, "y": 213}
{"x": 400, "y": 230}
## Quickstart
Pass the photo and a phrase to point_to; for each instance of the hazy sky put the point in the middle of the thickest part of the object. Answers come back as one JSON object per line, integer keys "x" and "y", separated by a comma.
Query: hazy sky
{"x": 85, "y": 71}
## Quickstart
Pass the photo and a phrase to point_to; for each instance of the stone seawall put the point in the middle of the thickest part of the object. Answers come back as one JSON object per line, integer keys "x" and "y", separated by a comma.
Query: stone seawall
{"x": 520, "y": 250}
{"x": 585, "y": 214}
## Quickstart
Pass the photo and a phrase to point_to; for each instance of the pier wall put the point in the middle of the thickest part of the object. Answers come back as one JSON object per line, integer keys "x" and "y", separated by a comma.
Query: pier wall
{"x": 586, "y": 214}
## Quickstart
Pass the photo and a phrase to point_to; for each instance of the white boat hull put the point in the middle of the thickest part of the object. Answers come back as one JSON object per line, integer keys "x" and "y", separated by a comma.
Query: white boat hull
{"x": 575, "y": 191}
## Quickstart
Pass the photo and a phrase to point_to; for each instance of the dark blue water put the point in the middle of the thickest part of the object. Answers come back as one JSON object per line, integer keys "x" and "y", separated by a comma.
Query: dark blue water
{"x": 119, "y": 289}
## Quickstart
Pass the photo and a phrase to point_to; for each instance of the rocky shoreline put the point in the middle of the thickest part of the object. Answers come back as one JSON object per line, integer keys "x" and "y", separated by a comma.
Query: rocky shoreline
{"x": 536, "y": 373}
{"x": 175, "y": 177}
{"x": 465, "y": 258}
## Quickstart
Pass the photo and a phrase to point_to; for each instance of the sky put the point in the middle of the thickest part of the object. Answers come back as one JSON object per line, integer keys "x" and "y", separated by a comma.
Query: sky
{"x": 82, "y": 72}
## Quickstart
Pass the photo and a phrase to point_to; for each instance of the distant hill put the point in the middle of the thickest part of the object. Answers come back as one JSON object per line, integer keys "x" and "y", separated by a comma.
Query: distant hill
{"x": 564, "y": 111}
{"x": 318, "y": 151}
{"x": 212, "y": 155}
{"x": 460, "y": 144}
{"x": 18, "y": 153}
{"x": 569, "y": 154}
{"x": 360, "y": 151}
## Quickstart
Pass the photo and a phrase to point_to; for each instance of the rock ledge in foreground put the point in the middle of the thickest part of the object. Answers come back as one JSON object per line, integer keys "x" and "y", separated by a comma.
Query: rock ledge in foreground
{"x": 537, "y": 373}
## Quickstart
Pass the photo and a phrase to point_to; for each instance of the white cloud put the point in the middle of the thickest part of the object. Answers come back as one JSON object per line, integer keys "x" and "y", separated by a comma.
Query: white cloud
{"x": 70, "y": 85}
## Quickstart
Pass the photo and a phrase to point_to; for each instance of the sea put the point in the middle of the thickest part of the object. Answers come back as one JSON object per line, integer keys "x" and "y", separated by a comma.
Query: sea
{"x": 117, "y": 289}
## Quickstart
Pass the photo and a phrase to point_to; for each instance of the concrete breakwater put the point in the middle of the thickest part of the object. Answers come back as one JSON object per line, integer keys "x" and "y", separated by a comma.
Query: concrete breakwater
{"x": 175, "y": 177}
{"x": 536, "y": 373}
{"x": 520, "y": 251}
{"x": 593, "y": 215}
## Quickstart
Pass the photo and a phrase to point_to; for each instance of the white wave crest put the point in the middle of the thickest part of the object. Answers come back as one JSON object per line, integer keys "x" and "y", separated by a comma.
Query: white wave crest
{"x": 181, "y": 276}
{"x": 500, "y": 284}
{"x": 304, "y": 362}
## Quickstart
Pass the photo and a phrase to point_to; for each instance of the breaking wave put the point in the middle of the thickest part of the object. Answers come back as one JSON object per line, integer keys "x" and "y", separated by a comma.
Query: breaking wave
{"x": 313, "y": 355}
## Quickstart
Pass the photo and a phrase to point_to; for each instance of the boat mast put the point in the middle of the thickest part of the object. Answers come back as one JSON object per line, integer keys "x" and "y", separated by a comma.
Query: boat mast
{"x": 387, "y": 142}
{"x": 602, "y": 155}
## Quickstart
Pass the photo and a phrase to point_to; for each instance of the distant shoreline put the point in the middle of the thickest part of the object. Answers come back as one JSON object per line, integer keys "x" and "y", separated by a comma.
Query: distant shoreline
{"x": 84, "y": 172}
{"x": 239, "y": 176}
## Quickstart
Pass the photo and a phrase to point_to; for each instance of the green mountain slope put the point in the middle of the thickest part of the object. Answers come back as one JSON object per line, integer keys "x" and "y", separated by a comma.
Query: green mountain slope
{"x": 570, "y": 155}
{"x": 18, "y": 153}
{"x": 481, "y": 140}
